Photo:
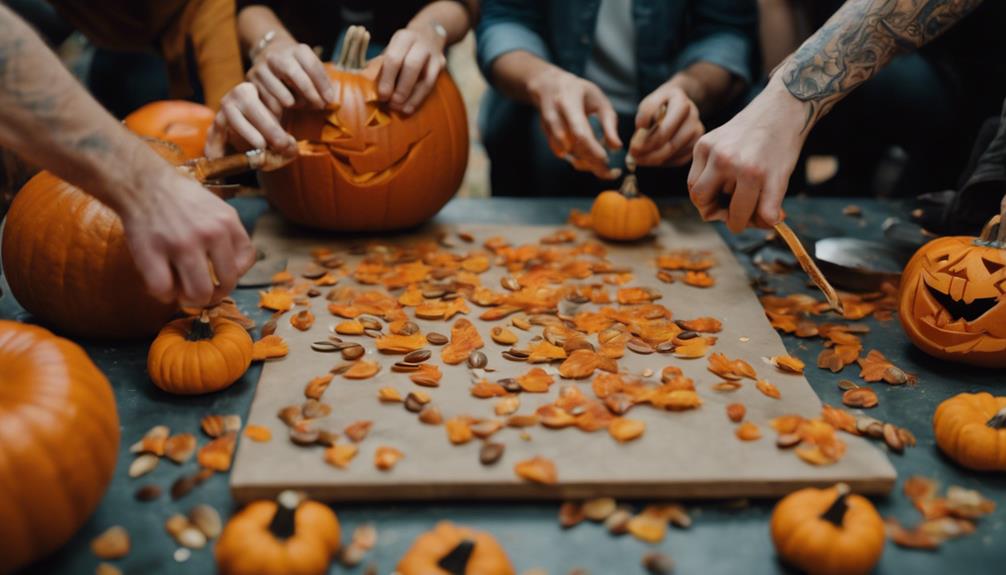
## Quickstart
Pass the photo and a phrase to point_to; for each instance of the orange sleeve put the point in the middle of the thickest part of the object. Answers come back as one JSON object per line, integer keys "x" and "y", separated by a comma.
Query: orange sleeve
{"x": 214, "y": 37}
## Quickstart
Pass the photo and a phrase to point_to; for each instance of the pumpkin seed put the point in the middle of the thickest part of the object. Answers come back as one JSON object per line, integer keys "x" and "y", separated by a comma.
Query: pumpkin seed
{"x": 466, "y": 237}
{"x": 639, "y": 346}
{"x": 846, "y": 385}
{"x": 907, "y": 437}
{"x": 893, "y": 439}
{"x": 513, "y": 357}
{"x": 353, "y": 352}
{"x": 304, "y": 437}
{"x": 327, "y": 438}
{"x": 490, "y": 453}
{"x": 894, "y": 375}
{"x": 369, "y": 323}
{"x": 618, "y": 522}
{"x": 510, "y": 384}
{"x": 175, "y": 524}
{"x": 599, "y": 509}
{"x": 510, "y": 283}
{"x": 434, "y": 293}
{"x": 430, "y": 415}
{"x": 425, "y": 380}
{"x": 192, "y": 538}
{"x": 147, "y": 493}
{"x": 436, "y": 338}
{"x": 418, "y": 356}
{"x": 665, "y": 347}
{"x": 291, "y": 415}
{"x": 313, "y": 409}
{"x": 413, "y": 404}
{"x": 113, "y": 543}
{"x": 657, "y": 563}
{"x": 207, "y": 520}
{"x": 312, "y": 272}
{"x": 570, "y": 514}
{"x": 374, "y": 333}
{"x": 408, "y": 328}
{"x": 324, "y": 346}
{"x": 788, "y": 440}
{"x": 404, "y": 367}
{"x": 477, "y": 359}
{"x": 143, "y": 464}
{"x": 875, "y": 430}
{"x": 269, "y": 327}
{"x": 687, "y": 335}
{"x": 313, "y": 292}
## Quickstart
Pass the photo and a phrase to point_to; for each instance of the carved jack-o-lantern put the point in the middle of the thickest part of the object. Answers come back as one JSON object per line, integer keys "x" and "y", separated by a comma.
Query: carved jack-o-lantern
{"x": 952, "y": 298}
{"x": 364, "y": 167}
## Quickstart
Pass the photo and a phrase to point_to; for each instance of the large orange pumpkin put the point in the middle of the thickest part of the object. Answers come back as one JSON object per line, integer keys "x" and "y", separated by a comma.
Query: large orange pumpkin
{"x": 952, "y": 303}
{"x": 178, "y": 121}
{"x": 59, "y": 437}
{"x": 365, "y": 167}
{"x": 67, "y": 262}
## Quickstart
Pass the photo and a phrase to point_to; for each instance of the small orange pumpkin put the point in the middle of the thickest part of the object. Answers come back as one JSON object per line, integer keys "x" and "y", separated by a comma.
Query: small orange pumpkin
{"x": 178, "y": 121}
{"x": 971, "y": 429}
{"x": 828, "y": 531}
{"x": 199, "y": 355}
{"x": 452, "y": 550}
{"x": 625, "y": 214}
{"x": 952, "y": 303}
{"x": 67, "y": 262}
{"x": 363, "y": 166}
{"x": 59, "y": 438}
{"x": 284, "y": 537}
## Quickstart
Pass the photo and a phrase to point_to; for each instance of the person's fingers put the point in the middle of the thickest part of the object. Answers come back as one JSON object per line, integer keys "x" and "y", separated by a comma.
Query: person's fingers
{"x": 216, "y": 137}
{"x": 684, "y": 138}
{"x": 225, "y": 267}
{"x": 391, "y": 64}
{"x": 425, "y": 84}
{"x": 744, "y": 200}
{"x": 239, "y": 125}
{"x": 155, "y": 270}
{"x": 599, "y": 104}
{"x": 701, "y": 155}
{"x": 413, "y": 65}
{"x": 678, "y": 112}
{"x": 290, "y": 71}
{"x": 267, "y": 125}
{"x": 244, "y": 251}
{"x": 704, "y": 193}
{"x": 315, "y": 71}
{"x": 193, "y": 272}
{"x": 684, "y": 155}
{"x": 555, "y": 129}
{"x": 585, "y": 145}
{"x": 770, "y": 201}
{"x": 267, "y": 83}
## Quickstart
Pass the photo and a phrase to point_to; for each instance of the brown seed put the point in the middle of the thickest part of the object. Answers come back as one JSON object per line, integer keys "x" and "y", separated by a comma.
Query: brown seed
{"x": 510, "y": 384}
{"x": 894, "y": 375}
{"x": 434, "y": 293}
{"x": 490, "y": 453}
{"x": 430, "y": 415}
{"x": 180, "y": 447}
{"x": 875, "y": 430}
{"x": 324, "y": 346}
{"x": 418, "y": 356}
{"x": 291, "y": 415}
{"x": 269, "y": 327}
{"x": 618, "y": 522}
{"x": 665, "y": 347}
{"x": 186, "y": 483}
{"x": 686, "y": 335}
{"x": 313, "y": 292}
{"x": 893, "y": 439}
{"x": 436, "y": 338}
{"x": 413, "y": 404}
{"x": 639, "y": 346}
{"x": 513, "y": 357}
{"x": 369, "y": 323}
{"x": 404, "y": 367}
{"x": 846, "y": 385}
{"x": 147, "y": 493}
{"x": 409, "y": 328}
{"x": 113, "y": 543}
{"x": 570, "y": 514}
{"x": 353, "y": 352}
{"x": 788, "y": 440}
{"x": 736, "y": 411}
{"x": 477, "y": 360}
{"x": 657, "y": 563}
{"x": 327, "y": 437}
{"x": 312, "y": 272}
{"x": 521, "y": 353}
{"x": 314, "y": 409}
{"x": 374, "y": 333}
{"x": 207, "y": 520}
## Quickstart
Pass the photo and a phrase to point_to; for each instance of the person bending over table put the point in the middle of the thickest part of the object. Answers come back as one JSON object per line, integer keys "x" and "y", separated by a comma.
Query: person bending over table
{"x": 174, "y": 227}
{"x": 561, "y": 69}
{"x": 740, "y": 170}
{"x": 286, "y": 71}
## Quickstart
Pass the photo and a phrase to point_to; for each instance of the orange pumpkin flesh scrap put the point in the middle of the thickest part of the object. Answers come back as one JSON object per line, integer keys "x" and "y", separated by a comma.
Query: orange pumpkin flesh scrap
{"x": 400, "y": 343}
{"x": 748, "y": 431}
{"x": 768, "y": 389}
{"x": 544, "y": 352}
{"x": 341, "y": 454}
{"x": 386, "y": 457}
{"x": 276, "y": 299}
{"x": 459, "y": 431}
{"x": 702, "y": 325}
{"x": 464, "y": 340}
{"x": 349, "y": 327}
{"x": 362, "y": 369}
{"x": 538, "y": 469}
{"x": 485, "y": 389}
{"x": 343, "y": 311}
{"x": 389, "y": 395}
{"x": 736, "y": 412}
{"x": 302, "y": 320}
{"x": 787, "y": 363}
{"x": 647, "y": 527}
{"x": 428, "y": 375}
{"x": 699, "y": 279}
{"x": 537, "y": 380}
{"x": 730, "y": 368}
{"x": 624, "y": 430}
{"x": 217, "y": 454}
{"x": 269, "y": 347}
{"x": 317, "y": 386}
{"x": 283, "y": 277}
{"x": 358, "y": 430}
{"x": 258, "y": 433}
{"x": 876, "y": 367}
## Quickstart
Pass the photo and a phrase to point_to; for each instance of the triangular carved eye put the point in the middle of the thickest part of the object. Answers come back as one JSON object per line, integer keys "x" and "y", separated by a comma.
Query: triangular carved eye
{"x": 334, "y": 130}
{"x": 377, "y": 118}
{"x": 992, "y": 266}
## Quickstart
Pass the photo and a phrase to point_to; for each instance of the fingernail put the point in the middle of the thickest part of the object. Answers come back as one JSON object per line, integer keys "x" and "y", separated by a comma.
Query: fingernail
{"x": 408, "y": 109}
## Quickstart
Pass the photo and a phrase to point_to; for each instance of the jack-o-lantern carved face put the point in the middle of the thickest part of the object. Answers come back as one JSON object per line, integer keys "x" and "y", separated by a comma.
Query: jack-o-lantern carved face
{"x": 952, "y": 299}
{"x": 363, "y": 166}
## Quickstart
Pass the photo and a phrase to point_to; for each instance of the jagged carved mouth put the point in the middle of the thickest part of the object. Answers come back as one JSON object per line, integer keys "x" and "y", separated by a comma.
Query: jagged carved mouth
{"x": 344, "y": 163}
{"x": 953, "y": 310}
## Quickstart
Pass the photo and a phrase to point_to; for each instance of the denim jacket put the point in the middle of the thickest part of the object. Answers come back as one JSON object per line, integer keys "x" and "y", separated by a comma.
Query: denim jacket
{"x": 670, "y": 34}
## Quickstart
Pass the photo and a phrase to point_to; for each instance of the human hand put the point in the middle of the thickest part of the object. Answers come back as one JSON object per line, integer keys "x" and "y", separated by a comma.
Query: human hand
{"x": 288, "y": 74}
{"x": 666, "y": 141}
{"x": 176, "y": 230}
{"x": 565, "y": 101}
{"x": 749, "y": 159}
{"x": 410, "y": 67}
{"x": 245, "y": 122}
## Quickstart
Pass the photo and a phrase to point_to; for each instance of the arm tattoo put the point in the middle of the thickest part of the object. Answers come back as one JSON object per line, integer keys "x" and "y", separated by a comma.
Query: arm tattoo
{"x": 859, "y": 40}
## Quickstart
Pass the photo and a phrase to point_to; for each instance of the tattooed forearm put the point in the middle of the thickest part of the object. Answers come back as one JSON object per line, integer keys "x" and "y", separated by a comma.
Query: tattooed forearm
{"x": 859, "y": 40}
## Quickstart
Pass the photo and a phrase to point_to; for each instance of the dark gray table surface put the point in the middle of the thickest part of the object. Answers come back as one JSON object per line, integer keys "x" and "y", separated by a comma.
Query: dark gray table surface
{"x": 725, "y": 538}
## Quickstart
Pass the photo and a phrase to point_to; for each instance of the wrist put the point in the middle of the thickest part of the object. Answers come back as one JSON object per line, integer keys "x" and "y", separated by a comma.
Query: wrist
{"x": 269, "y": 45}
{"x": 690, "y": 86}
{"x": 541, "y": 81}
{"x": 432, "y": 31}
{"x": 792, "y": 112}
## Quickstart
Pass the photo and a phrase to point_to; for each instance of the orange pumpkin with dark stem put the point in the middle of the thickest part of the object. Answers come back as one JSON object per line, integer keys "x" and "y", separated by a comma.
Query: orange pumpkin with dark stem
{"x": 199, "y": 355}
{"x": 625, "y": 214}
{"x": 364, "y": 167}
{"x": 178, "y": 121}
{"x": 452, "y": 550}
{"x": 971, "y": 429}
{"x": 67, "y": 262}
{"x": 952, "y": 303}
{"x": 289, "y": 536}
{"x": 59, "y": 437}
{"x": 828, "y": 531}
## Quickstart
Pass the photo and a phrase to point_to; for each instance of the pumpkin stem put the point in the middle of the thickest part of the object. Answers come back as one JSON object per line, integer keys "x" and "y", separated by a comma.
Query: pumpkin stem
{"x": 283, "y": 525}
{"x": 994, "y": 233}
{"x": 998, "y": 421}
{"x": 456, "y": 562}
{"x": 630, "y": 187}
{"x": 836, "y": 513}
{"x": 353, "y": 55}
{"x": 200, "y": 328}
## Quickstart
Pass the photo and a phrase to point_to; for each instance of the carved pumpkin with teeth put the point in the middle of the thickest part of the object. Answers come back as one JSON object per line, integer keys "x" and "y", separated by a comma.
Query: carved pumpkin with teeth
{"x": 364, "y": 167}
{"x": 952, "y": 302}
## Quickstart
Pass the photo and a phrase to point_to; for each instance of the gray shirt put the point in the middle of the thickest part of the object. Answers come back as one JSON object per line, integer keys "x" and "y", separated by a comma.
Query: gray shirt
{"x": 612, "y": 62}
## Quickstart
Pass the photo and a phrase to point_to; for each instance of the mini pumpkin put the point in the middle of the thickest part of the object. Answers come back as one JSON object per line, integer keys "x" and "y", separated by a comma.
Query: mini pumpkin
{"x": 828, "y": 531}
{"x": 199, "y": 355}
{"x": 178, "y": 121}
{"x": 67, "y": 262}
{"x": 971, "y": 429}
{"x": 363, "y": 166}
{"x": 453, "y": 550}
{"x": 951, "y": 302}
{"x": 624, "y": 214}
{"x": 59, "y": 439}
{"x": 289, "y": 536}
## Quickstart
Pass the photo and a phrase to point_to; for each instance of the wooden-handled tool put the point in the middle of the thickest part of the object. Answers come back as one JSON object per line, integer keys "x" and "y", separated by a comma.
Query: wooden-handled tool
{"x": 807, "y": 263}
{"x": 630, "y": 162}
{"x": 205, "y": 169}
